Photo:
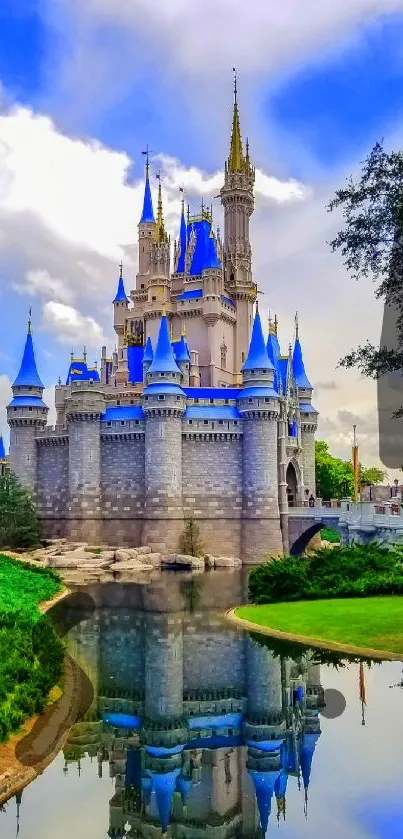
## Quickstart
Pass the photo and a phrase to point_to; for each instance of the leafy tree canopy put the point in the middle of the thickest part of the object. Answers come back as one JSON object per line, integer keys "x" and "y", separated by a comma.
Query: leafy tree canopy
{"x": 334, "y": 477}
{"x": 19, "y": 525}
{"x": 371, "y": 244}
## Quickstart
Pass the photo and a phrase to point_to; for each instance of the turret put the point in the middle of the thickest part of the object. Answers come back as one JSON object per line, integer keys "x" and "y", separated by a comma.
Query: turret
{"x": 120, "y": 307}
{"x": 84, "y": 408}
{"x": 160, "y": 255}
{"x": 164, "y": 404}
{"x": 309, "y": 414}
{"x": 26, "y": 414}
{"x": 147, "y": 357}
{"x": 146, "y": 230}
{"x": 259, "y": 406}
{"x": 238, "y": 203}
{"x": 183, "y": 360}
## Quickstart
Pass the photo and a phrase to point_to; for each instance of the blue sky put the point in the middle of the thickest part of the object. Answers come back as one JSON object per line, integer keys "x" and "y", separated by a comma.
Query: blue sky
{"x": 317, "y": 87}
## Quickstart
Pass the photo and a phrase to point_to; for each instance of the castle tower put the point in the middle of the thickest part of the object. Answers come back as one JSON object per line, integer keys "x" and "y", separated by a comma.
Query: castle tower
{"x": 26, "y": 414}
{"x": 84, "y": 408}
{"x": 120, "y": 307}
{"x": 146, "y": 230}
{"x": 309, "y": 415}
{"x": 259, "y": 405}
{"x": 183, "y": 360}
{"x": 158, "y": 282}
{"x": 147, "y": 357}
{"x": 238, "y": 203}
{"x": 164, "y": 404}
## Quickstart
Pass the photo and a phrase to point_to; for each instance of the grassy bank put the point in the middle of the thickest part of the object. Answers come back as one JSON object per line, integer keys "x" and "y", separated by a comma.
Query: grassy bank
{"x": 31, "y": 656}
{"x": 371, "y": 622}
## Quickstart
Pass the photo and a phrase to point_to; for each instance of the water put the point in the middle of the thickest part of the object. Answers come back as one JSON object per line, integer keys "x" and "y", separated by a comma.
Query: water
{"x": 155, "y": 650}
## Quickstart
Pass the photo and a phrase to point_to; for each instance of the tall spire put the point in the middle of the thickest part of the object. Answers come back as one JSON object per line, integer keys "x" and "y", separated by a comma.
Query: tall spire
{"x": 160, "y": 234}
{"x": 28, "y": 374}
{"x": 258, "y": 358}
{"x": 121, "y": 296}
{"x": 2, "y": 448}
{"x": 164, "y": 360}
{"x": 236, "y": 162}
{"x": 182, "y": 241}
{"x": 301, "y": 379}
{"x": 147, "y": 216}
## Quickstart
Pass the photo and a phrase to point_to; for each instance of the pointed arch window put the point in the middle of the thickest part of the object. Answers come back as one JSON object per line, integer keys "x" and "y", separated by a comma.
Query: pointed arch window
{"x": 223, "y": 349}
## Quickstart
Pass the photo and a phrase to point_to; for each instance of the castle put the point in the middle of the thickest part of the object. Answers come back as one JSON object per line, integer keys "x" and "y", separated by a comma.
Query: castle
{"x": 195, "y": 415}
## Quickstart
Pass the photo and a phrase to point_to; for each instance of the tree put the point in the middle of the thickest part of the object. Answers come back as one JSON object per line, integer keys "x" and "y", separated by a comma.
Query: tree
{"x": 190, "y": 543}
{"x": 19, "y": 524}
{"x": 335, "y": 478}
{"x": 371, "y": 244}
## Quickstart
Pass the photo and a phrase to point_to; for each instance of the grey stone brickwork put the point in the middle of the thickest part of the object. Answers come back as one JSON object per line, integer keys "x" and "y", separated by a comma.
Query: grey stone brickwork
{"x": 122, "y": 482}
{"x": 23, "y": 460}
{"x": 261, "y": 532}
{"x": 212, "y": 658}
{"x": 308, "y": 457}
{"x": 53, "y": 480}
{"x": 163, "y": 666}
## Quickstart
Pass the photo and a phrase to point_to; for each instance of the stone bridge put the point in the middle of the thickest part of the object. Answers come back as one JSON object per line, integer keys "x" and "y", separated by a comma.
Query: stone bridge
{"x": 360, "y": 522}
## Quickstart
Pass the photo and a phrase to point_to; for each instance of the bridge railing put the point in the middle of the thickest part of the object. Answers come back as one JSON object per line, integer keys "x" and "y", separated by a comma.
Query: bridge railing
{"x": 365, "y": 513}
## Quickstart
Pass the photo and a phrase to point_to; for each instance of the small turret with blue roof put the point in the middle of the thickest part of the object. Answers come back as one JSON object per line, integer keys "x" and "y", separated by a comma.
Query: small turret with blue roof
{"x": 120, "y": 305}
{"x": 257, "y": 372}
{"x": 2, "y": 448}
{"x": 28, "y": 412}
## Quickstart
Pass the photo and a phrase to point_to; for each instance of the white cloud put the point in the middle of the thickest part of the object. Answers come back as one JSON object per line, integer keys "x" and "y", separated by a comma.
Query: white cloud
{"x": 70, "y": 326}
{"x": 41, "y": 283}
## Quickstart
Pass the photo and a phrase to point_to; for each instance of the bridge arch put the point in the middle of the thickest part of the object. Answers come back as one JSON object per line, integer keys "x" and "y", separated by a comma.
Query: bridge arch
{"x": 301, "y": 531}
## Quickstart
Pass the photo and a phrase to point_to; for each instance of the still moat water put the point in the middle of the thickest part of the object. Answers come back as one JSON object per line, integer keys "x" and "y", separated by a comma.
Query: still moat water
{"x": 190, "y": 728}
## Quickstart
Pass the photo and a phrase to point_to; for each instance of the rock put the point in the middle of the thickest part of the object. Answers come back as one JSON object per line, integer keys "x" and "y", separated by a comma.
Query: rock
{"x": 122, "y": 555}
{"x": 131, "y": 565}
{"x": 151, "y": 559}
{"x": 209, "y": 561}
{"x": 183, "y": 560}
{"x": 227, "y": 562}
{"x": 144, "y": 550}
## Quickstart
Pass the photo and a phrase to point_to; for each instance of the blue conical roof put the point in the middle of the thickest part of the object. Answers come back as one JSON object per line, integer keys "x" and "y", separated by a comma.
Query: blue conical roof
{"x": 2, "y": 449}
{"x": 164, "y": 361}
{"x": 258, "y": 358}
{"x": 121, "y": 296}
{"x": 301, "y": 379}
{"x": 164, "y": 787}
{"x": 28, "y": 375}
{"x": 183, "y": 785}
{"x": 264, "y": 785}
{"x": 280, "y": 786}
{"x": 182, "y": 352}
{"x": 182, "y": 244}
{"x": 212, "y": 260}
{"x": 148, "y": 212}
{"x": 148, "y": 352}
{"x": 306, "y": 755}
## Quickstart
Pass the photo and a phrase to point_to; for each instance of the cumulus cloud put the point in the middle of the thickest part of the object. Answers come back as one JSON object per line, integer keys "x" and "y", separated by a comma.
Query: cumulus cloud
{"x": 41, "y": 283}
{"x": 70, "y": 326}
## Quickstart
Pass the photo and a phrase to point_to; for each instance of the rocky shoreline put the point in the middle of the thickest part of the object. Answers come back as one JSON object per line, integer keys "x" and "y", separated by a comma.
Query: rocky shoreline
{"x": 78, "y": 562}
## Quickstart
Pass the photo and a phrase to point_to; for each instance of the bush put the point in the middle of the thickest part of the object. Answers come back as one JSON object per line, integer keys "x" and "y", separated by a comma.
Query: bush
{"x": 345, "y": 571}
{"x": 190, "y": 542}
{"x": 327, "y": 534}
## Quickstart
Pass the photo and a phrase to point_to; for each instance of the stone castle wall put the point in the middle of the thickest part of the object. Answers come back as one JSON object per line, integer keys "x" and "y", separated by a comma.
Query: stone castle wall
{"x": 122, "y": 480}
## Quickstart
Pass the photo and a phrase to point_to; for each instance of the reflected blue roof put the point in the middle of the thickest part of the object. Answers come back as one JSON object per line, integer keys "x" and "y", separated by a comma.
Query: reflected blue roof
{"x": 181, "y": 350}
{"x": 265, "y": 745}
{"x": 212, "y": 392}
{"x": 121, "y": 296}
{"x": 280, "y": 786}
{"x": 257, "y": 392}
{"x": 190, "y": 295}
{"x": 163, "y": 786}
{"x": 28, "y": 374}
{"x": 306, "y": 755}
{"x": 27, "y": 402}
{"x": 148, "y": 212}
{"x": 182, "y": 244}
{"x": 135, "y": 356}
{"x": 2, "y": 449}
{"x": 264, "y": 786}
{"x": 148, "y": 352}
{"x": 122, "y": 720}
{"x": 300, "y": 376}
{"x": 159, "y": 751}
{"x": 258, "y": 358}
{"x": 215, "y": 721}
{"x": 123, "y": 412}
{"x": 213, "y": 412}
{"x": 167, "y": 388}
{"x": 163, "y": 361}
{"x": 183, "y": 785}
{"x": 308, "y": 408}
{"x": 228, "y": 301}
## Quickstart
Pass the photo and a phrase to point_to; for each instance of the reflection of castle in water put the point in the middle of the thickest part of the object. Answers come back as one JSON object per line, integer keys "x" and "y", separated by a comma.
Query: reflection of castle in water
{"x": 206, "y": 727}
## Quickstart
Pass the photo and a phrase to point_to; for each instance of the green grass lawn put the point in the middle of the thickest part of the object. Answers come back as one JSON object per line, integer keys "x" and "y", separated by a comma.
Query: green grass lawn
{"x": 373, "y": 622}
{"x": 31, "y": 656}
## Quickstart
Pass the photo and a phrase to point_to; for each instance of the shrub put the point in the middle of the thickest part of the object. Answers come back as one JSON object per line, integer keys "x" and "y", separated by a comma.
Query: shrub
{"x": 345, "y": 571}
{"x": 19, "y": 523}
{"x": 190, "y": 542}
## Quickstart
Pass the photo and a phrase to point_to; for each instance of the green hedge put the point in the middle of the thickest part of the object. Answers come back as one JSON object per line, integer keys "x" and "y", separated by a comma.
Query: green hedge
{"x": 345, "y": 571}
{"x": 31, "y": 655}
